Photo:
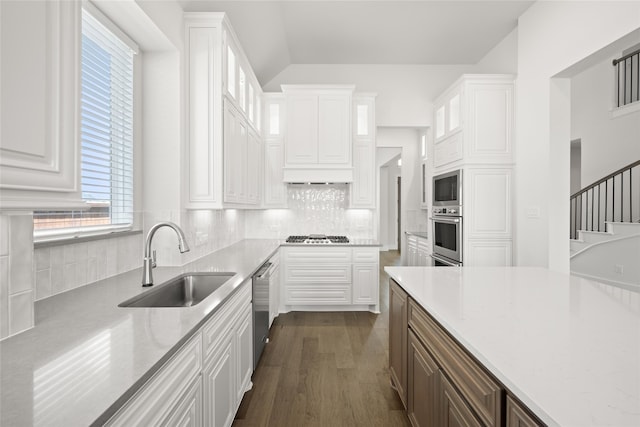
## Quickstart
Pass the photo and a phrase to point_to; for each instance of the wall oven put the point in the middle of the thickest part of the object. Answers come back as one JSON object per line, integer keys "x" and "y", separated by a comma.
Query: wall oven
{"x": 447, "y": 189}
{"x": 447, "y": 236}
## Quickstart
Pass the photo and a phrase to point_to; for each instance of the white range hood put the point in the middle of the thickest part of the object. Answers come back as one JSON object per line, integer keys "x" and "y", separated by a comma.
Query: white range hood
{"x": 317, "y": 174}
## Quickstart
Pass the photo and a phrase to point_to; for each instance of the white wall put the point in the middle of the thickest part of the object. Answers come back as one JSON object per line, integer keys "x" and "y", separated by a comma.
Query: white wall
{"x": 553, "y": 36}
{"x": 608, "y": 143}
{"x": 503, "y": 58}
{"x": 408, "y": 140}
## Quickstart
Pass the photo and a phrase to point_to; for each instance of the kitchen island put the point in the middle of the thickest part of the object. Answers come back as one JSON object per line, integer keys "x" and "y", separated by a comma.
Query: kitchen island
{"x": 565, "y": 347}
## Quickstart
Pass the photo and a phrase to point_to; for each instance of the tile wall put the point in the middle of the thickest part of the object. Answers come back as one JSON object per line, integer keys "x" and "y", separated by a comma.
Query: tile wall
{"x": 321, "y": 209}
{"x": 16, "y": 273}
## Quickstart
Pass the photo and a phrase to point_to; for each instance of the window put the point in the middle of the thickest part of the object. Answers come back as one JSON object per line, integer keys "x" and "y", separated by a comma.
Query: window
{"x": 106, "y": 133}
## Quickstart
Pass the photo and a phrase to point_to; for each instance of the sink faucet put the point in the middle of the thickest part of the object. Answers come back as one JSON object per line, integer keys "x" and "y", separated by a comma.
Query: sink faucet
{"x": 150, "y": 260}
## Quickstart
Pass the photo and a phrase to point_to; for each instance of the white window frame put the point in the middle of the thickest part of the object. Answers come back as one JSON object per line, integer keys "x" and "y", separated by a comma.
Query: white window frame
{"x": 63, "y": 235}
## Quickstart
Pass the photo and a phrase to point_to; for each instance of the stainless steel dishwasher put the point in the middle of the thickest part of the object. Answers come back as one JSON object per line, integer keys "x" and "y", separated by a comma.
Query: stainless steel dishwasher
{"x": 260, "y": 283}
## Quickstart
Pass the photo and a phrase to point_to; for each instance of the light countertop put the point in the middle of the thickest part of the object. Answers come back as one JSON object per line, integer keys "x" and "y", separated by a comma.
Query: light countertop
{"x": 352, "y": 242}
{"x": 86, "y": 356}
{"x": 567, "y": 347}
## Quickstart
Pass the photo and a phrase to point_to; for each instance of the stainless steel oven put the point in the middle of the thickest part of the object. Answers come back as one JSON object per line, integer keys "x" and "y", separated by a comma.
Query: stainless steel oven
{"x": 447, "y": 235}
{"x": 447, "y": 189}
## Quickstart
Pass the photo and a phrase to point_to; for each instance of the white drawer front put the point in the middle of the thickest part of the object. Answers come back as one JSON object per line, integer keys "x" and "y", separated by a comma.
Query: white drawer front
{"x": 365, "y": 255}
{"x": 327, "y": 295}
{"x": 312, "y": 274}
{"x": 327, "y": 255}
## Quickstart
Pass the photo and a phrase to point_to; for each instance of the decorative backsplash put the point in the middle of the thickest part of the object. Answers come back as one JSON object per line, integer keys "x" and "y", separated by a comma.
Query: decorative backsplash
{"x": 321, "y": 209}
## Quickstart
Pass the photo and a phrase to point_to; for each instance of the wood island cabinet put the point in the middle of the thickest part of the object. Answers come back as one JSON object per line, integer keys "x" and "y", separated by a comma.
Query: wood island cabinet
{"x": 398, "y": 339}
{"x": 438, "y": 381}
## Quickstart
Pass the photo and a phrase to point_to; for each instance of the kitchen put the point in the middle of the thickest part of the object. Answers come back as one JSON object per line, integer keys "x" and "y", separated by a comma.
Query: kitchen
{"x": 188, "y": 114}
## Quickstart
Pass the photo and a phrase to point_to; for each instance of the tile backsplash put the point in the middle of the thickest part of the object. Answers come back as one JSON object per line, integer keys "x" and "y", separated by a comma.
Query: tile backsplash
{"x": 321, "y": 209}
{"x": 16, "y": 273}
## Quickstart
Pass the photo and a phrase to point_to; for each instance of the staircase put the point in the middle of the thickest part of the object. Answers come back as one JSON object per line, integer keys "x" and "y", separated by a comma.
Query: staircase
{"x": 605, "y": 229}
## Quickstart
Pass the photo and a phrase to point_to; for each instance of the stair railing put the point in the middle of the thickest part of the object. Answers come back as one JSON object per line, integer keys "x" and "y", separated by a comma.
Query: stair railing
{"x": 627, "y": 78}
{"x": 614, "y": 198}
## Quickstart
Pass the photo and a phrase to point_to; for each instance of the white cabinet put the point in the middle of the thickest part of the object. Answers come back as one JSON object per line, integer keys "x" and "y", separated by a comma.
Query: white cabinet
{"x": 325, "y": 278}
{"x": 275, "y": 190}
{"x": 318, "y": 133}
{"x": 418, "y": 251}
{"x": 223, "y": 134}
{"x": 274, "y": 289}
{"x": 474, "y": 121}
{"x": 171, "y": 393}
{"x": 204, "y": 382}
{"x": 40, "y": 104}
{"x": 363, "y": 187}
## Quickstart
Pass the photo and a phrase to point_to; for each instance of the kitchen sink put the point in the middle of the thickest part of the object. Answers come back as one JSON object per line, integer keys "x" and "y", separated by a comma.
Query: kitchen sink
{"x": 185, "y": 290}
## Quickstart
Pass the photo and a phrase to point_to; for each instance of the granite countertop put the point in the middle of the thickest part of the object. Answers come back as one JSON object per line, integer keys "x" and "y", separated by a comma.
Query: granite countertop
{"x": 86, "y": 356}
{"x": 422, "y": 234}
{"x": 567, "y": 347}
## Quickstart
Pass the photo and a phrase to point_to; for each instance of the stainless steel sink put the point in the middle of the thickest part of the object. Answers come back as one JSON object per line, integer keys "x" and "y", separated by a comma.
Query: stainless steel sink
{"x": 185, "y": 290}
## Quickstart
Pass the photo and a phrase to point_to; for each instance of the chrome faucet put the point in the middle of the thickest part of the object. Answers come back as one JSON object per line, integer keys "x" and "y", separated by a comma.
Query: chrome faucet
{"x": 150, "y": 260}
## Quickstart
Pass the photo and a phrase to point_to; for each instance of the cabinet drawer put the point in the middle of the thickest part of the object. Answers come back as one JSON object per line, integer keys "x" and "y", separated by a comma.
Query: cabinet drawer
{"x": 365, "y": 255}
{"x": 217, "y": 327}
{"x": 476, "y": 386}
{"x": 316, "y": 255}
{"x": 155, "y": 401}
{"x": 326, "y": 295}
{"x": 313, "y": 274}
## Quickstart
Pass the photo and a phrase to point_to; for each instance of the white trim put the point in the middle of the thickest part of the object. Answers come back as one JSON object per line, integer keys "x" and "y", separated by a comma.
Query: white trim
{"x": 634, "y": 107}
{"x": 100, "y": 17}
{"x": 59, "y": 234}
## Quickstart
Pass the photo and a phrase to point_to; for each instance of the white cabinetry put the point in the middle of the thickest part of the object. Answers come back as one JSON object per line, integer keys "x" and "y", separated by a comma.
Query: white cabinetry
{"x": 204, "y": 382}
{"x": 274, "y": 289}
{"x": 418, "y": 250}
{"x": 223, "y": 143}
{"x": 474, "y": 132}
{"x": 474, "y": 122}
{"x": 275, "y": 190}
{"x": 318, "y": 133}
{"x": 40, "y": 104}
{"x": 363, "y": 188}
{"x": 326, "y": 278}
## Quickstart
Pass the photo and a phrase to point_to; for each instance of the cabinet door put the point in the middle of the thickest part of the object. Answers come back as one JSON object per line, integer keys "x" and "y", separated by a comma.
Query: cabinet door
{"x": 398, "y": 339}
{"x": 517, "y": 416}
{"x": 275, "y": 190}
{"x": 365, "y": 284}
{"x": 233, "y": 163}
{"x": 423, "y": 391}
{"x": 274, "y": 294}
{"x": 363, "y": 188}
{"x": 334, "y": 129}
{"x": 219, "y": 387}
{"x": 302, "y": 129}
{"x": 254, "y": 167}
{"x": 455, "y": 412}
{"x": 244, "y": 355}
{"x": 40, "y": 104}
{"x": 488, "y": 203}
{"x": 189, "y": 410}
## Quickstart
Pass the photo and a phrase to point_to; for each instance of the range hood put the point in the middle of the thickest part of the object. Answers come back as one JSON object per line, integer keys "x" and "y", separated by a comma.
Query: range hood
{"x": 296, "y": 175}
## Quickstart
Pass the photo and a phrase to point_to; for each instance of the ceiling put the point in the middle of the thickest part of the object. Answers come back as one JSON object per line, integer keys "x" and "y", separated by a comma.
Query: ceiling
{"x": 275, "y": 34}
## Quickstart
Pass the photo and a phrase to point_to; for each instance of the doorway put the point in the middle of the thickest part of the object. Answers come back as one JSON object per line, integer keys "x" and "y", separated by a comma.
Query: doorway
{"x": 399, "y": 213}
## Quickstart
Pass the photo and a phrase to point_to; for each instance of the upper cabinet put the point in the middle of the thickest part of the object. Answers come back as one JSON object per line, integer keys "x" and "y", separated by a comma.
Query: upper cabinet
{"x": 223, "y": 152}
{"x": 363, "y": 187}
{"x": 40, "y": 105}
{"x": 473, "y": 122}
{"x": 275, "y": 190}
{"x": 317, "y": 134}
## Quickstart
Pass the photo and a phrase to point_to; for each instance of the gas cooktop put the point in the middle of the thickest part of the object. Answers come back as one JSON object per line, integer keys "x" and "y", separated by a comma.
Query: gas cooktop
{"x": 317, "y": 239}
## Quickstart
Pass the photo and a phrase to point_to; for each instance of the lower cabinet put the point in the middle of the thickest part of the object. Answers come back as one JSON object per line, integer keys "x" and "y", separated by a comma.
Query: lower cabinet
{"x": 398, "y": 339}
{"x": 204, "y": 382}
{"x": 436, "y": 378}
{"x": 418, "y": 250}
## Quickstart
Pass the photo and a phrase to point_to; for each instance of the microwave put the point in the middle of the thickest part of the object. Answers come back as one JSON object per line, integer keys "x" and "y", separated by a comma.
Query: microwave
{"x": 447, "y": 189}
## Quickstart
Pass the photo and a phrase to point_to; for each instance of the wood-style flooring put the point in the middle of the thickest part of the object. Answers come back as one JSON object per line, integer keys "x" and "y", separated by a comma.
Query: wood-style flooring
{"x": 326, "y": 369}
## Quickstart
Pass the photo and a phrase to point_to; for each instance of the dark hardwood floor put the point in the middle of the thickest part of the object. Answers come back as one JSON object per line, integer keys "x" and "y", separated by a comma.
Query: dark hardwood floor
{"x": 326, "y": 369}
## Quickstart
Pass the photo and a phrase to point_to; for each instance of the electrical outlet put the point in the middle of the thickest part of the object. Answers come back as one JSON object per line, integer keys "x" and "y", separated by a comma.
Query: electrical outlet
{"x": 619, "y": 269}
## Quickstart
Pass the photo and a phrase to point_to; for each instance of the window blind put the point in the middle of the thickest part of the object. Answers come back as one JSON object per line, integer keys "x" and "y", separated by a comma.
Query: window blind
{"x": 106, "y": 111}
